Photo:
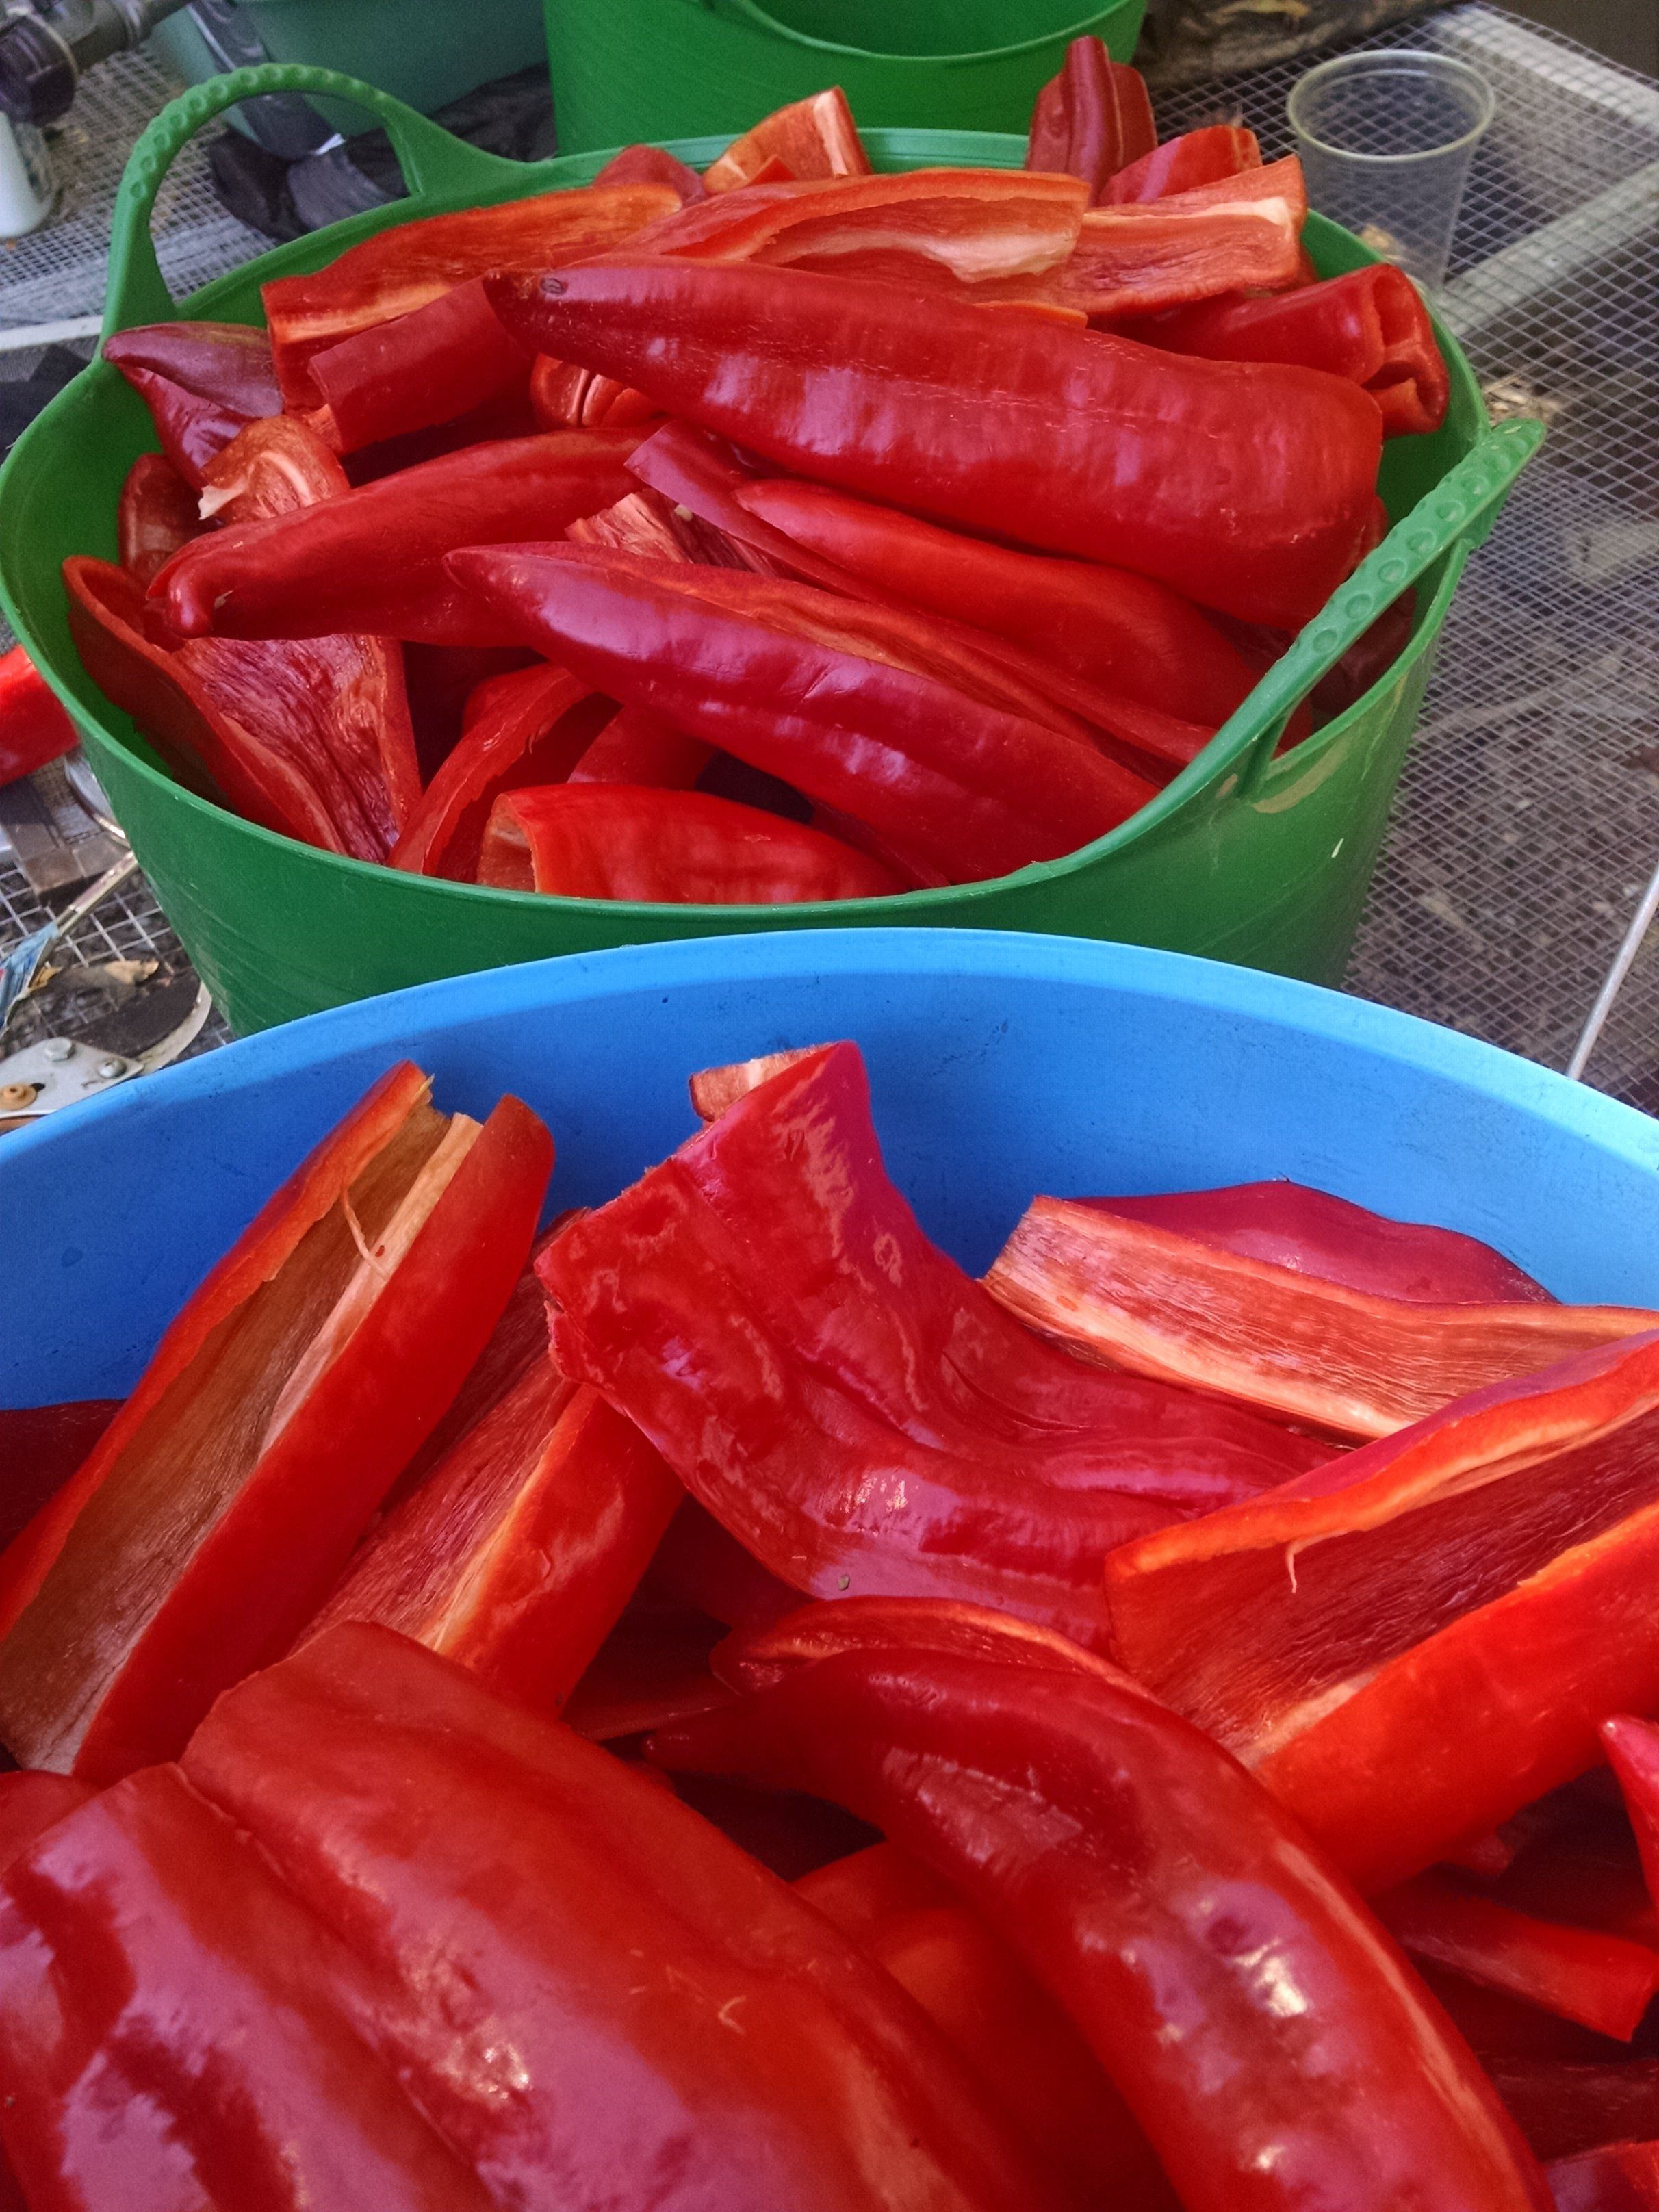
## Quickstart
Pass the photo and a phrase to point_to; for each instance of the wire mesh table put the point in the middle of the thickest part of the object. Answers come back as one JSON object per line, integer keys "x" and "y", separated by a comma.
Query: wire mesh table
{"x": 1526, "y": 827}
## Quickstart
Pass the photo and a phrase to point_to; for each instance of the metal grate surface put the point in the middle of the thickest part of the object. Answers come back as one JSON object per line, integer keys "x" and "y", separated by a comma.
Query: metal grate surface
{"x": 1527, "y": 822}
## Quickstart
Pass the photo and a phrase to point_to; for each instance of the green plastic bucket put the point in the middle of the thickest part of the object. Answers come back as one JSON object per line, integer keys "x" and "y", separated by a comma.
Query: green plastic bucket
{"x": 1247, "y": 856}
{"x": 626, "y": 70}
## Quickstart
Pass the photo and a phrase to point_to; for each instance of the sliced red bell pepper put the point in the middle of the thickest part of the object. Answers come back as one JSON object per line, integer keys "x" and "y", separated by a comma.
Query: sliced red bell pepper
{"x": 202, "y": 383}
{"x": 1413, "y": 1643}
{"x": 711, "y": 1090}
{"x": 311, "y": 739}
{"x": 447, "y": 685}
{"x": 810, "y": 689}
{"x": 157, "y": 515}
{"x": 1093, "y": 119}
{"x": 651, "y": 165}
{"x": 652, "y": 1668}
{"x": 176, "y": 2030}
{"x": 1261, "y": 2027}
{"x": 536, "y": 725}
{"x": 1589, "y": 1873}
{"x": 848, "y": 1403}
{"x": 416, "y": 371}
{"x": 1067, "y": 440}
{"x": 567, "y": 398}
{"x": 518, "y": 1553}
{"x": 622, "y": 1992}
{"x": 1602, "y": 1982}
{"x": 1619, "y": 2178}
{"x": 223, "y": 1501}
{"x": 1370, "y": 326}
{"x": 1122, "y": 631}
{"x": 310, "y": 573}
{"x": 1291, "y": 1225}
{"x": 34, "y": 725}
{"x": 1143, "y": 1297}
{"x": 1196, "y": 157}
{"x": 1567, "y": 2108}
{"x": 31, "y": 1801}
{"x": 639, "y": 523}
{"x": 813, "y": 137}
{"x": 275, "y": 466}
{"x": 1632, "y": 1749}
{"x": 636, "y": 746}
{"x": 508, "y": 415}
{"x": 700, "y": 1563}
{"x": 617, "y": 840}
{"x": 403, "y": 268}
{"x": 40, "y": 1447}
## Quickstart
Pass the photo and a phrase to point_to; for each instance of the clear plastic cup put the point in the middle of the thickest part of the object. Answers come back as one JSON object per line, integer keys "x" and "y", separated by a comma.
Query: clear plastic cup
{"x": 1386, "y": 139}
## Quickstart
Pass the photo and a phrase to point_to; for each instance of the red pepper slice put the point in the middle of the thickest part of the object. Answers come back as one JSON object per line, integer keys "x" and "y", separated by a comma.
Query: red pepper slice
{"x": 616, "y": 840}
{"x": 1067, "y": 440}
{"x": 34, "y": 726}
{"x": 519, "y": 1551}
{"x": 298, "y": 1381}
{"x": 158, "y": 514}
{"x": 310, "y": 573}
{"x": 1631, "y": 1747}
{"x": 1093, "y": 119}
{"x": 568, "y": 398}
{"x": 1196, "y": 157}
{"x": 403, "y": 268}
{"x": 40, "y": 1447}
{"x": 1261, "y": 2027}
{"x": 1370, "y": 326}
{"x": 1431, "y": 1589}
{"x": 31, "y": 1801}
{"x": 1291, "y": 1225}
{"x": 651, "y": 165}
{"x": 652, "y": 1668}
{"x": 850, "y": 1404}
{"x": 1567, "y": 2108}
{"x": 601, "y": 1945}
{"x": 202, "y": 383}
{"x": 1146, "y": 1298}
{"x": 311, "y": 739}
{"x": 812, "y": 688}
{"x": 702, "y": 1564}
{"x": 813, "y": 137}
{"x": 534, "y": 727}
{"x": 274, "y": 467}
{"x": 176, "y": 2030}
{"x": 1620, "y": 2177}
{"x": 416, "y": 371}
{"x": 636, "y": 746}
{"x": 760, "y": 1657}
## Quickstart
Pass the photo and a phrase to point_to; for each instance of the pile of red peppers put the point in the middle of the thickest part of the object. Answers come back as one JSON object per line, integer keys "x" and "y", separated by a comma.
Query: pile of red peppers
{"x": 701, "y": 1701}
{"x": 784, "y": 533}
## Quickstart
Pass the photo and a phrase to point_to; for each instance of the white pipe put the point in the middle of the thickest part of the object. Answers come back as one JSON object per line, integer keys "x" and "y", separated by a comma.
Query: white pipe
{"x": 46, "y": 334}
{"x": 1640, "y": 923}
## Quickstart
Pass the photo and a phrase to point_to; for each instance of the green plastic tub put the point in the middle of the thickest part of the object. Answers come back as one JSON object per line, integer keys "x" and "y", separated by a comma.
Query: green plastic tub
{"x": 1246, "y": 856}
{"x": 668, "y": 68}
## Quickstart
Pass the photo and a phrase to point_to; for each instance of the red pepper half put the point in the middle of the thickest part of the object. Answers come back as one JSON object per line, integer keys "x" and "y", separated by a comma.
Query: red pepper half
{"x": 202, "y": 383}
{"x": 1143, "y": 1297}
{"x": 1263, "y": 2030}
{"x": 1621, "y": 2177}
{"x": 221, "y": 1504}
{"x": 329, "y": 567}
{"x": 847, "y": 1401}
{"x": 519, "y": 1551}
{"x": 1370, "y": 326}
{"x": 812, "y": 688}
{"x": 1291, "y": 1225}
{"x": 1196, "y": 157}
{"x": 813, "y": 137}
{"x": 617, "y": 840}
{"x": 34, "y": 726}
{"x": 157, "y": 515}
{"x": 1067, "y": 440}
{"x": 403, "y": 268}
{"x": 418, "y": 370}
{"x": 1093, "y": 119}
{"x": 581, "y": 1979}
{"x": 176, "y": 2030}
{"x": 1411, "y": 1644}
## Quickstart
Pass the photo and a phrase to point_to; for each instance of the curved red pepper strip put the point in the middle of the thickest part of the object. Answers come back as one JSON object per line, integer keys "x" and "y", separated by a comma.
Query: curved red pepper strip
{"x": 759, "y": 1657}
{"x": 811, "y": 137}
{"x": 276, "y": 466}
{"x": 1093, "y": 119}
{"x": 1067, "y": 440}
{"x": 1262, "y": 2029}
{"x": 418, "y": 370}
{"x": 1196, "y": 157}
{"x": 651, "y": 165}
{"x": 608, "y": 1963}
{"x": 1620, "y": 2177}
{"x": 1632, "y": 1749}
{"x": 157, "y": 515}
{"x": 701, "y": 1563}
{"x": 1566, "y": 2107}
{"x": 34, "y": 724}
{"x": 202, "y": 383}
{"x": 636, "y": 746}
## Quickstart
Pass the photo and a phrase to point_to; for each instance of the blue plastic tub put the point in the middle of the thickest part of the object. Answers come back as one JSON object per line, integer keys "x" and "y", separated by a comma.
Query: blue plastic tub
{"x": 1002, "y": 1065}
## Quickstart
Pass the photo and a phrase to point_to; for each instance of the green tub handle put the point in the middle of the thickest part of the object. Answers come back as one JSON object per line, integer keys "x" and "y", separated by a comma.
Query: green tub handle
{"x": 435, "y": 162}
{"x": 1462, "y": 507}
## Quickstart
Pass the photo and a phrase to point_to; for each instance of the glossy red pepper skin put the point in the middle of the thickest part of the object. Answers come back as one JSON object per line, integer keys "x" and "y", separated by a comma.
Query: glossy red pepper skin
{"x": 1093, "y": 119}
{"x": 31, "y": 1801}
{"x": 1621, "y": 2177}
{"x": 135, "y": 1599}
{"x": 600, "y": 1942}
{"x": 1141, "y": 1295}
{"x": 652, "y": 1668}
{"x": 1370, "y": 326}
{"x": 1566, "y": 2107}
{"x": 845, "y": 1400}
{"x": 34, "y": 725}
{"x": 1196, "y": 157}
{"x": 702, "y": 1565}
{"x": 807, "y": 688}
{"x": 311, "y": 573}
{"x": 636, "y": 746}
{"x": 419, "y": 370}
{"x": 1632, "y": 1749}
{"x": 618, "y": 841}
{"x": 202, "y": 383}
{"x": 157, "y": 515}
{"x": 274, "y": 467}
{"x": 40, "y": 1447}
{"x": 175, "y": 2029}
{"x": 811, "y": 137}
{"x": 1261, "y": 2027}
{"x": 1434, "y": 1588}
{"x": 1066, "y": 440}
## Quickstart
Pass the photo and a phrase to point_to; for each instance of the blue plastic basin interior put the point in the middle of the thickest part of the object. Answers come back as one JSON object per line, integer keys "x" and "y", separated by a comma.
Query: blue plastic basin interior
{"x": 1002, "y": 1065}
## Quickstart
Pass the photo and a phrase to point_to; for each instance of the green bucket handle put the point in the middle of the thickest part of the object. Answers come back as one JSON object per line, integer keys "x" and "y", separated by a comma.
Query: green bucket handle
{"x": 434, "y": 163}
{"x": 1463, "y": 505}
